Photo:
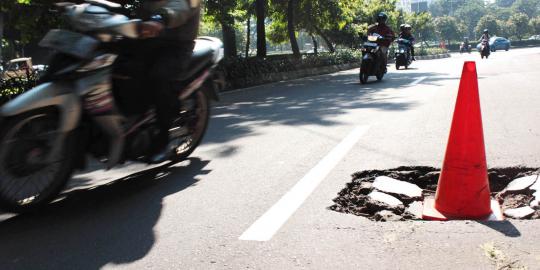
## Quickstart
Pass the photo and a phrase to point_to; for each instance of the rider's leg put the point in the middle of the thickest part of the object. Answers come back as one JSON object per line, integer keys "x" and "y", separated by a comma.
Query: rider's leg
{"x": 384, "y": 51}
{"x": 412, "y": 53}
{"x": 170, "y": 63}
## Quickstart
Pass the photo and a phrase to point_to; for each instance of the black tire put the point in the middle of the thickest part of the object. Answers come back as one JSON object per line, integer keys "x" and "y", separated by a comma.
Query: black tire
{"x": 21, "y": 159}
{"x": 363, "y": 77}
{"x": 197, "y": 127}
{"x": 397, "y": 66}
{"x": 380, "y": 77}
{"x": 507, "y": 48}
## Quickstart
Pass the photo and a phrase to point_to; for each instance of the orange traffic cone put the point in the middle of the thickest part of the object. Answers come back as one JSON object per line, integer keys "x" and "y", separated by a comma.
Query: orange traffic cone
{"x": 463, "y": 190}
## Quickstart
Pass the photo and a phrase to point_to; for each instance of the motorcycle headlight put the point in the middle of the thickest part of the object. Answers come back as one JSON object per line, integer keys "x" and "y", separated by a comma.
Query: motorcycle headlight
{"x": 101, "y": 61}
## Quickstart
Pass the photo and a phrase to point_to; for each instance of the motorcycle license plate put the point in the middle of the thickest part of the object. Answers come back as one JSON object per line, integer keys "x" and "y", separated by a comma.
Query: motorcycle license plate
{"x": 74, "y": 44}
{"x": 370, "y": 44}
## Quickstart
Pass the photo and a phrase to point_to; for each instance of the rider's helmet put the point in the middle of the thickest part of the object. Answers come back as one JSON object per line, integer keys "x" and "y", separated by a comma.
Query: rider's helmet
{"x": 402, "y": 27}
{"x": 381, "y": 18}
{"x": 408, "y": 27}
{"x": 486, "y": 31}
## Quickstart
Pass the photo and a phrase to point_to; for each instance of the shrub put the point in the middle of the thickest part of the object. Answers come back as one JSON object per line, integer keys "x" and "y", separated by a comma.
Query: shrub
{"x": 12, "y": 87}
{"x": 237, "y": 68}
{"x": 430, "y": 51}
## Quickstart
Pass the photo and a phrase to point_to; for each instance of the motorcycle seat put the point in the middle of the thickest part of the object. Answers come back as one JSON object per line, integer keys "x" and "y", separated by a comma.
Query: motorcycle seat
{"x": 203, "y": 55}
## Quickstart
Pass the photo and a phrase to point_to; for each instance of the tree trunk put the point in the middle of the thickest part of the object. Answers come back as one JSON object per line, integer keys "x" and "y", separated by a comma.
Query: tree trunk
{"x": 260, "y": 10}
{"x": 326, "y": 40}
{"x": 229, "y": 38}
{"x": 315, "y": 44}
{"x": 290, "y": 28}
{"x": 248, "y": 35}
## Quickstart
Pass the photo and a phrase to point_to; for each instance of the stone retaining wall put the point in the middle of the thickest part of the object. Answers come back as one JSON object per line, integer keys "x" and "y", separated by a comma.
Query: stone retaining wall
{"x": 286, "y": 76}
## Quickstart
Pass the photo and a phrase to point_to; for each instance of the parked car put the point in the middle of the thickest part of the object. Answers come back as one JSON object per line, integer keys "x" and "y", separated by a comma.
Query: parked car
{"x": 535, "y": 37}
{"x": 497, "y": 43}
{"x": 19, "y": 67}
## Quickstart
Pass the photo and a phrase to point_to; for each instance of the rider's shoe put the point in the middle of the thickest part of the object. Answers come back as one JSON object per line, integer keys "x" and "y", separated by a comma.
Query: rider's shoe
{"x": 162, "y": 150}
{"x": 165, "y": 154}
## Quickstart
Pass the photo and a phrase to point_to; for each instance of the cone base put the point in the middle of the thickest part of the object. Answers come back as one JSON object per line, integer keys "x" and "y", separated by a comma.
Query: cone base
{"x": 431, "y": 213}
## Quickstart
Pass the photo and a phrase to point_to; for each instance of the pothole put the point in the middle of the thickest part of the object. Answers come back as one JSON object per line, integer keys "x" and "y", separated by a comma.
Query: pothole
{"x": 400, "y": 198}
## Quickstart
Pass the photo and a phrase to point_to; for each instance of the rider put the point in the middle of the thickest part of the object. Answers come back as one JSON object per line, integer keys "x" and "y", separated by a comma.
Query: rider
{"x": 485, "y": 38}
{"x": 168, "y": 33}
{"x": 466, "y": 43}
{"x": 382, "y": 29}
{"x": 406, "y": 34}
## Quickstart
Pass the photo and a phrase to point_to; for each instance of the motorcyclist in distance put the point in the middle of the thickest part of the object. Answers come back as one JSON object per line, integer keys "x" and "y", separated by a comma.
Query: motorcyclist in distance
{"x": 382, "y": 29}
{"x": 168, "y": 37}
{"x": 485, "y": 38}
{"x": 407, "y": 34}
{"x": 466, "y": 44}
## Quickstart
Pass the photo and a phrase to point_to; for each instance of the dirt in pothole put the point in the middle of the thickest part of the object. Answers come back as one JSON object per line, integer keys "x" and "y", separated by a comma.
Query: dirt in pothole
{"x": 354, "y": 199}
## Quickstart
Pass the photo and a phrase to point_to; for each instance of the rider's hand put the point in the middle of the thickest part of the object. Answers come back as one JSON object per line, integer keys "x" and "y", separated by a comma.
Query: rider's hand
{"x": 150, "y": 29}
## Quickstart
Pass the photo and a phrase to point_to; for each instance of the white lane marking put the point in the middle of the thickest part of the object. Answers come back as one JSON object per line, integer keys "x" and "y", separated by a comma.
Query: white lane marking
{"x": 417, "y": 81}
{"x": 269, "y": 223}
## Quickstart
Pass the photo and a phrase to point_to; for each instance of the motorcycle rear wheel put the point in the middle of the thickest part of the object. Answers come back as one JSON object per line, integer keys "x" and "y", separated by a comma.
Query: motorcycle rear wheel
{"x": 27, "y": 180}
{"x": 195, "y": 115}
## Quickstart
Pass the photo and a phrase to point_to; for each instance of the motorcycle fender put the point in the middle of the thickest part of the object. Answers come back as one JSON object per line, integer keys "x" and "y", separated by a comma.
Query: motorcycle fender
{"x": 55, "y": 94}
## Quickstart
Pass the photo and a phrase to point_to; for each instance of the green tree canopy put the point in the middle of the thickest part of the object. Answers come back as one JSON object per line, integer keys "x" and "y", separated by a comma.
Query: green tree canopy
{"x": 529, "y": 7}
{"x": 487, "y": 22}
{"x": 520, "y": 22}
{"x": 535, "y": 25}
{"x": 447, "y": 28}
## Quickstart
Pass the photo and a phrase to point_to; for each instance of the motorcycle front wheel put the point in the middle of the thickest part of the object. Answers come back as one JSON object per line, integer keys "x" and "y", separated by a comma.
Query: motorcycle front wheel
{"x": 194, "y": 117}
{"x": 31, "y": 175}
{"x": 363, "y": 77}
{"x": 380, "y": 76}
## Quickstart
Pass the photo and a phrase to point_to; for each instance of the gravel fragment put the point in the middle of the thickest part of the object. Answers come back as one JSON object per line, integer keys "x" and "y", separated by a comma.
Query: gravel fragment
{"x": 390, "y": 185}
{"x": 519, "y": 213}
{"x": 521, "y": 183}
{"x": 385, "y": 198}
{"x": 415, "y": 209}
{"x": 386, "y": 215}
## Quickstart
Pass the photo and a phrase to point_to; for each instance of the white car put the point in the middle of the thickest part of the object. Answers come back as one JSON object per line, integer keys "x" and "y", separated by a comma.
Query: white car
{"x": 535, "y": 37}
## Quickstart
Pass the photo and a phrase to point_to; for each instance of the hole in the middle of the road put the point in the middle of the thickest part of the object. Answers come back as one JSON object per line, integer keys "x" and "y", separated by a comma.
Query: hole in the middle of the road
{"x": 399, "y": 193}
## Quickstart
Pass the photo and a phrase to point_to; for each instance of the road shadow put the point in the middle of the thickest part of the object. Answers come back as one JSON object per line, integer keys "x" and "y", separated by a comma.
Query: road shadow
{"x": 505, "y": 227}
{"x": 308, "y": 101}
{"x": 110, "y": 224}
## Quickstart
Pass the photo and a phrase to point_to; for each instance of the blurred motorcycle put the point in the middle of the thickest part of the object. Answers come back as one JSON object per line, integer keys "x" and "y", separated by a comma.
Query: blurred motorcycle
{"x": 48, "y": 132}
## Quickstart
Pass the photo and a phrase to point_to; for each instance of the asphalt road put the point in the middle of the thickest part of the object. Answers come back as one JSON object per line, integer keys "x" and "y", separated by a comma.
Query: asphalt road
{"x": 255, "y": 194}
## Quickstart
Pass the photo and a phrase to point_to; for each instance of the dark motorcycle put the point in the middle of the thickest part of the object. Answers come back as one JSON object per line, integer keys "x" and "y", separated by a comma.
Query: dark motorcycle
{"x": 403, "y": 54}
{"x": 372, "y": 59}
{"x": 48, "y": 132}
{"x": 484, "y": 49}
